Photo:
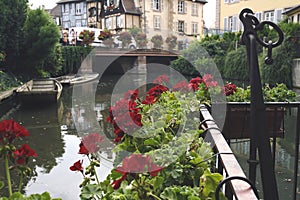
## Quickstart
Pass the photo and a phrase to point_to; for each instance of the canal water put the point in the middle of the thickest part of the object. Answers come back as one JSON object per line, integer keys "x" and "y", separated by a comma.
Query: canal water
{"x": 56, "y": 132}
{"x": 55, "y": 138}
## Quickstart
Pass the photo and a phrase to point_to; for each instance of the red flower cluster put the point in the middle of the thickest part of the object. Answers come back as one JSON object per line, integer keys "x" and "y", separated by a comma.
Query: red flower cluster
{"x": 10, "y": 130}
{"x": 154, "y": 93}
{"x": 229, "y": 89}
{"x": 194, "y": 83}
{"x": 90, "y": 143}
{"x": 161, "y": 79}
{"x": 136, "y": 163}
{"x": 22, "y": 154}
{"x": 77, "y": 166}
{"x": 209, "y": 81}
{"x": 181, "y": 86}
{"x": 119, "y": 115}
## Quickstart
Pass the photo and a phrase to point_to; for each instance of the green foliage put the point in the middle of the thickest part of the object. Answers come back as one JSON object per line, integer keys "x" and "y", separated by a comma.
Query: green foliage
{"x": 135, "y": 31}
{"x": 236, "y": 66}
{"x": 12, "y": 18}
{"x": 279, "y": 93}
{"x": 281, "y": 69}
{"x": 196, "y": 55}
{"x": 184, "y": 67}
{"x": 157, "y": 41}
{"x": 19, "y": 196}
{"x": 40, "y": 38}
{"x": 72, "y": 57}
{"x": 7, "y": 81}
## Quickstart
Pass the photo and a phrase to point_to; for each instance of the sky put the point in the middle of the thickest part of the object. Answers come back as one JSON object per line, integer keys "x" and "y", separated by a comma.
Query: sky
{"x": 209, "y": 9}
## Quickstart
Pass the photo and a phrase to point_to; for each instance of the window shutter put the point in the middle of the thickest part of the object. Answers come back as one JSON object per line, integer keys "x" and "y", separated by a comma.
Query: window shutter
{"x": 225, "y": 24}
{"x": 151, "y": 4}
{"x": 278, "y": 15}
{"x": 161, "y": 5}
{"x": 176, "y": 27}
{"x": 185, "y": 27}
{"x": 185, "y": 7}
{"x": 234, "y": 28}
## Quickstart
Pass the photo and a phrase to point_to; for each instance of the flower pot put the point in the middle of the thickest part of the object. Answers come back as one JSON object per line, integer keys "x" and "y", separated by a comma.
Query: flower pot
{"x": 237, "y": 122}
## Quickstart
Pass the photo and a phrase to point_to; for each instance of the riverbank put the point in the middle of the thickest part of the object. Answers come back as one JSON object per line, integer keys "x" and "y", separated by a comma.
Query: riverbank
{"x": 7, "y": 94}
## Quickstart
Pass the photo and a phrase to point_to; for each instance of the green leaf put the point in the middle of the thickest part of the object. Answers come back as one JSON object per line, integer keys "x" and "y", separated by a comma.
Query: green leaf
{"x": 158, "y": 182}
{"x": 151, "y": 142}
{"x": 90, "y": 191}
{"x": 1, "y": 184}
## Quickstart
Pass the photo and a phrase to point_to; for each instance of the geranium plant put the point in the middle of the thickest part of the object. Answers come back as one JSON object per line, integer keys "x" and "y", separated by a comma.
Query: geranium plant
{"x": 159, "y": 152}
{"x": 16, "y": 157}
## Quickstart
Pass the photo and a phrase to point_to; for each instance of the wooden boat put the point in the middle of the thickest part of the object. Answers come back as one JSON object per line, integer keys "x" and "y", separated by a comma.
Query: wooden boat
{"x": 40, "y": 91}
{"x": 77, "y": 79}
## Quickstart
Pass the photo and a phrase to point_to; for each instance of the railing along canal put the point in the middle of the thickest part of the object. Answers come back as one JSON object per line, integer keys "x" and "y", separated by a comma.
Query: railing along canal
{"x": 227, "y": 163}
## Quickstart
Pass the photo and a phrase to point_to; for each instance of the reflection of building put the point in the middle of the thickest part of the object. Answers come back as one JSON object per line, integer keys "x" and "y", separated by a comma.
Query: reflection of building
{"x": 266, "y": 10}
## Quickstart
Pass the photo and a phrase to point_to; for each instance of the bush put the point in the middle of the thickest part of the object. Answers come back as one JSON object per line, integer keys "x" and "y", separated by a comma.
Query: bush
{"x": 236, "y": 67}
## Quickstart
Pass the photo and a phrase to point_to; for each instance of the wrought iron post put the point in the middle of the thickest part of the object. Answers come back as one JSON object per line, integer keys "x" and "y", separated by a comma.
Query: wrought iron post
{"x": 259, "y": 138}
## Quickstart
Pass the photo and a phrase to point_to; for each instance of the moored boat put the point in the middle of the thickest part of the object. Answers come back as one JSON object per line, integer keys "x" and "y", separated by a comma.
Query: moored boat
{"x": 39, "y": 91}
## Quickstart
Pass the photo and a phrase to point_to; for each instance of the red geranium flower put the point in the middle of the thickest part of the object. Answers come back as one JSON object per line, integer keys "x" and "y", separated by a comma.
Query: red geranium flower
{"x": 194, "y": 83}
{"x": 181, "y": 86}
{"x": 22, "y": 154}
{"x": 9, "y": 130}
{"x": 229, "y": 89}
{"x": 77, "y": 166}
{"x": 136, "y": 163}
{"x": 161, "y": 79}
{"x": 90, "y": 143}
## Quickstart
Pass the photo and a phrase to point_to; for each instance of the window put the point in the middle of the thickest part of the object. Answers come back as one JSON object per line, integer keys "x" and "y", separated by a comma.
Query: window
{"x": 79, "y": 8}
{"x": 92, "y": 12}
{"x": 156, "y": 22}
{"x": 180, "y": 6}
{"x": 194, "y": 9}
{"x": 66, "y": 8}
{"x": 119, "y": 21}
{"x": 269, "y": 16}
{"x": 156, "y": 4}
{"x": 180, "y": 26}
{"x": 108, "y": 23}
{"x": 226, "y": 1}
{"x": 194, "y": 28}
{"x": 258, "y": 16}
{"x": 298, "y": 18}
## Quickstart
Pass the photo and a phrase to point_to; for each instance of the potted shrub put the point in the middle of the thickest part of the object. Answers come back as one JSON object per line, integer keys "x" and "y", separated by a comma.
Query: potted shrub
{"x": 157, "y": 41}
{"x": 141, "y": 40}
{"x": 172, "y": 42}
{"x": 87, "y": 37}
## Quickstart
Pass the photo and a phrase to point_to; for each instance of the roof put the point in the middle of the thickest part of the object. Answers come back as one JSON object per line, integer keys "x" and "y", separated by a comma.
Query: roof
{"x": 56, "y": 11}
{"x": 68, "y": 1}
{"x": 200, "y": 1}
{"x": 292, "y": 10}
{"x": 129, "y": 7}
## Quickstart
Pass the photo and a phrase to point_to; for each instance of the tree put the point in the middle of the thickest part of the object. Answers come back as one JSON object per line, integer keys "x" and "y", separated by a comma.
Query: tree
{"x": 40, "y": 38}
{"x": 12, "y": 18}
